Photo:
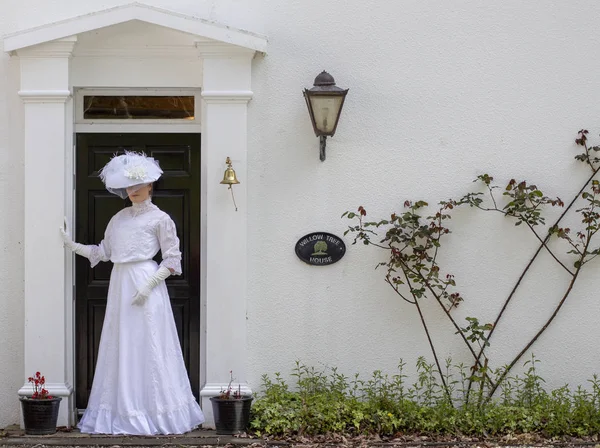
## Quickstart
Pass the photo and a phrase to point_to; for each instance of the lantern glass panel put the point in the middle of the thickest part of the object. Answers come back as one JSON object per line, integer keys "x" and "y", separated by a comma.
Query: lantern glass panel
{"x": 326, "y": 109}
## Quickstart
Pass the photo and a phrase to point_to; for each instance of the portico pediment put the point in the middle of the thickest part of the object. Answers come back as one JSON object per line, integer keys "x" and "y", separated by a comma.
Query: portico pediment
{"x": 203, "y": 29}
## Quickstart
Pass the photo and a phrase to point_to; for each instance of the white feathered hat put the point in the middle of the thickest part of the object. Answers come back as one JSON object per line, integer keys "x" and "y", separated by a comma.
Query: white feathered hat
{"x": 129, "y": 170}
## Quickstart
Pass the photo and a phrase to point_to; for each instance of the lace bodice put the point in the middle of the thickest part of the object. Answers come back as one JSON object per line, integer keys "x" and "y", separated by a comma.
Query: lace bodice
{"x": 137, "y": 233}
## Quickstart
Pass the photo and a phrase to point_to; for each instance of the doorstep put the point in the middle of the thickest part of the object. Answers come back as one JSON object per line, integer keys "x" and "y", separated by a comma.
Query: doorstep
{"x": 15, "y": 436}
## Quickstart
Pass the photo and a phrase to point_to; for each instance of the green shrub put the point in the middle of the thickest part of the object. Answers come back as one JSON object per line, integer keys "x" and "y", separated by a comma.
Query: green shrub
{"x": 323, "y": 402}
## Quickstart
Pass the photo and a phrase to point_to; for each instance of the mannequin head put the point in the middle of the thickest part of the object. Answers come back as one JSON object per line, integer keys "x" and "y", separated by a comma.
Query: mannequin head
{"x": 137, "y": 195}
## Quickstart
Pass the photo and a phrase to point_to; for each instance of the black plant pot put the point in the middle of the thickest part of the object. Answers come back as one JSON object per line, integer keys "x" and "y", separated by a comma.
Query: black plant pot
{"x": 40, "y": 416}
{"x": 231, "y": 415}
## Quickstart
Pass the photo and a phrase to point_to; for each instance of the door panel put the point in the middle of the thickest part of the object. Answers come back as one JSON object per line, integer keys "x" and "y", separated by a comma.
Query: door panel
{"x": 177, "y": 193}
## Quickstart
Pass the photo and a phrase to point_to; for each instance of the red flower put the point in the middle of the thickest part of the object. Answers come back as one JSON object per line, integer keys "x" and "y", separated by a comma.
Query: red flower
{"x": 39, "y": 392}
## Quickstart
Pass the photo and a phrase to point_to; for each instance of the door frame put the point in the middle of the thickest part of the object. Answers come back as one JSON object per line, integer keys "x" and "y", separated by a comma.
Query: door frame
{"x": 146, "y": 127}
{"x": 52, "y": 64}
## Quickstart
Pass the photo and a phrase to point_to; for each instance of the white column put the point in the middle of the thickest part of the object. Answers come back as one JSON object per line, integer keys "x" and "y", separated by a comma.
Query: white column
{"x": 225, "y": 94}
{"x": 45, "y": 92}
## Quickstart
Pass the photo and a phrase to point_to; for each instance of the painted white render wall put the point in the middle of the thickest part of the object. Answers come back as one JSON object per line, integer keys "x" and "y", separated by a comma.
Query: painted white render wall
{"x": 439, "y": 92}
{"x": 11, "y": 241}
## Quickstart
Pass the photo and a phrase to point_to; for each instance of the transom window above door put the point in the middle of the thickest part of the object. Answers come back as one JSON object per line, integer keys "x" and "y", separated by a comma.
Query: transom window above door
{"x": 130, "y": 107}
{"x": 135, "y": 107}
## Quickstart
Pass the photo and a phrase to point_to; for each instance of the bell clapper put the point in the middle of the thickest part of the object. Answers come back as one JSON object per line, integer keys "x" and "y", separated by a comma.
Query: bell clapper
{"x": 233, "y": 197}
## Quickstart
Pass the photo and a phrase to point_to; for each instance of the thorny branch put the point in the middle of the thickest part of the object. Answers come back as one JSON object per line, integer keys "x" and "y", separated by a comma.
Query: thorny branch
{"x": 414, "y": 243}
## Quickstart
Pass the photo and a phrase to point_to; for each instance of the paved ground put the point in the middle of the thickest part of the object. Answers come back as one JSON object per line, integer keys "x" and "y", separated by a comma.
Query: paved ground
{"x": 14, "y": 437}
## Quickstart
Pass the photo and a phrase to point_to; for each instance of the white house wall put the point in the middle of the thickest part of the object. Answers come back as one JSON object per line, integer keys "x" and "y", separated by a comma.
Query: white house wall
{"x": 439, "y": 92}
{"x": 11, "y": 241}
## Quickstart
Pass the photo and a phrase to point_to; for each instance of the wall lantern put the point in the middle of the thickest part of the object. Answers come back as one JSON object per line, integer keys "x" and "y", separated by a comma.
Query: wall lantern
{"x": 324, "y": 101}
{"x": 230, "y": 178}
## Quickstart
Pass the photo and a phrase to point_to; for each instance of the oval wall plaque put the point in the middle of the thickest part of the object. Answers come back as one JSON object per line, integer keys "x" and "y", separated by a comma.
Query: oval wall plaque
{"x": 320, "y": 248}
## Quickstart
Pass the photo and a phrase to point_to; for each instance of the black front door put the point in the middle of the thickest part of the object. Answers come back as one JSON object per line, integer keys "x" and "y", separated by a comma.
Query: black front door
{"x": 177, "y": 193}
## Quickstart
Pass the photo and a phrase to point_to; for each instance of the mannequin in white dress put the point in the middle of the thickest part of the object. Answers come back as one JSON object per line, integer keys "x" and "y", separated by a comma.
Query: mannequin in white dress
{"x": 140, "y": 384}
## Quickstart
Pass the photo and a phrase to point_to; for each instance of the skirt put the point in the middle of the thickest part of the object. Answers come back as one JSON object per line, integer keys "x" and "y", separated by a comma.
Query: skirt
{"x": 140, "y": 385}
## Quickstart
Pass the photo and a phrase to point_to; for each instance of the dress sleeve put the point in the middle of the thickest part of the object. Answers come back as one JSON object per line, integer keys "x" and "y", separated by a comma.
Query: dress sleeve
{"x": 169, "y": 245}
{"x": 101, "y": 252}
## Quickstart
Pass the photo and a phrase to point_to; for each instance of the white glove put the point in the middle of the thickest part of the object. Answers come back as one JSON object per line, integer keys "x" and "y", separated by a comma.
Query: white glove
{"x": 80, "y": 249}
{"x": 143, "y": 293}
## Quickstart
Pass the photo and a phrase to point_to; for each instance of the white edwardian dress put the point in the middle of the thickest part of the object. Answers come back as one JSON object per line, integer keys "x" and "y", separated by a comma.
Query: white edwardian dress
{"x": 140, "y": 385}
